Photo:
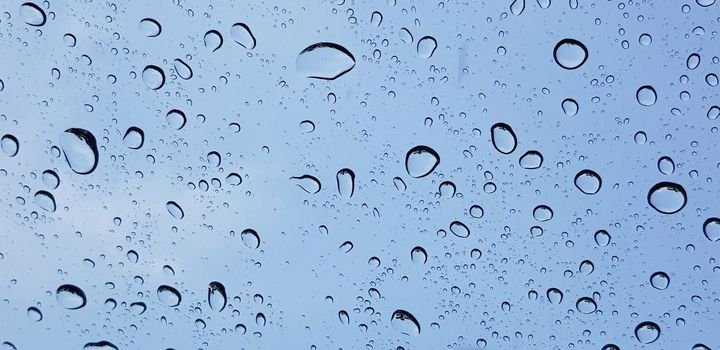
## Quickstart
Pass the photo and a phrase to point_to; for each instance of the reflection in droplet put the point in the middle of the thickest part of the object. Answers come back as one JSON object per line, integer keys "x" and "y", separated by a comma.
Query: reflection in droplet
{"x": 570, "y": 107}
{"x": 554, "y": 296}
{"x": 182, "y": 69}
{"x": 531, "y": 160}
{"x": 217, "y": 297}
{"x": 242, "y": 35}
{"x": 134, "y": 138}
{"x": 153, "y": 77}
{"x": 176, "y": 119}
{"x": 646, "y": 95}
{"x": 149, "y": 27}
{"x": 308, "y": 183}
{"x": 174, "y": 210}
{"x": 70, "y": 297}
{"x": 667, "y": 197}
{"x": 666, "y": 165}
{"x": 586, "y": 305}
{"x": 659, "y": 280}
{"x": 588, "y": 181}
{"x": 45, "y": 200}
{"x": 418, "y": 255}
{"x": 324, "y": 60}
{"x": 503, "y": 138}
{"x": 10, "y": 145}
{"x": 542, "y": 213}
{"x": 169, "y": 296}
{"x": 426, "y": 46}
{"x": 459, "y": 229}
{"x": 647, "y": 332}
{"x": 34, "y": 314}
{"x": 711, "y": 229}
{"x": 346, "y": 182}
{"x": 250, "y": 238}
{"x": 405, "y": 322}
{"x": 80, "y": 149}
{"x": 213, "y": 40}
{"x": 602, "y": 238}
{"x": 421, "y": 161}
{"x": 32, "y": 14}
{"x": 570, "y": 53}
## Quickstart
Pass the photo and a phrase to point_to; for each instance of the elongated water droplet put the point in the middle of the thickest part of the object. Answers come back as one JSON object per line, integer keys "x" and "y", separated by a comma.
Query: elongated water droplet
{"x": 250, "y": 238}
{"x": 174, "y": 210}
{"x": 570, "y": 107}
{"x": 182, "y": 69}
{"x": 426, "y": 46}
{"x": 421, "y": 161}
{"x": 346, "y": 247}
{"x": 346, "y": 182}
{"x": 586, "y": 305}
{"x": 32, "y": 14}
{"x": 10, "y": 145}
{"x": 242, "y": 35}
{"x": 169, "y": 296}
{"x": 666, "y": 165}
{"x": 554, "y": 296}
{"x": 260, "y": 319}
{"x": 659, "y": 280}
{"x": 543, "y": 3}
{"x": 308, "y": 183}
{"x": 324, "y": 60}
{"x": 70, "y": 297}
{"x": 149, "y": 27}
{"x": 80, "y": 149}
{"x": 405, "y": 323}
{"x": 217, "y": 297}
{"x": 667, "y": 197}
{"x": 376, "y": 18}
{"x": 588, "y": 181}
{"x": 418, "y": 255}
{"x": 101, "y": 345}
{"x": 517, "y": 7}
{"x": 693, "y": 61}
{"x": 176, "y": 119}
{"x": 406, "y": 36}
{"x": 134, "y": 138}
{"x": 713, "y": 112}
{"x": 542, "y": 213}
{"x": 34, "y": 314}
{"x": 646, "y": 95}
{"x": 503, "y": 138}
{"x": 45, "y": 200}
{"x": 153, "y": 77}
{"x": 570, "y": 53}
{"x": 213, "y": 40}
{"x": 711, "y": 229}
{"x": 531, "y": 160}
{"x": 647, "y": 332}
{"x": 459, "y": 229}
{"x": 344, "y": 317}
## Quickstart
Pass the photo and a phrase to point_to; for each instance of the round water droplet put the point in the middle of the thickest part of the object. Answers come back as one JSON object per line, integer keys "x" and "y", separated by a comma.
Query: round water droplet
{"x": 134, "y": 138}
{"x": 10, "y": 145}
{"x": 647, "y": 332}
{"x": 346, "y": 182}
{"x": 667, "y": 197}
{"x": 70, "y": 297}
{"x": 169, "y": 296}
{"x": 659, "y": 280}
{"x": 459, "y": 229}
{"x": 176, "y": 119}
{"x": 324, "y": 60}
{"x": 587, "y": 267}
{"x": 308, "y": 183}
{"x": 554, "y": 296}
{"x": 174, "y": 210}
{"x": 602, "y": 238}
{"x": 640, "y": 137}
{"x": 101, "y": 345}
{"x": 45, "y": 200}
{"x": 34, "y": 314}
{"x": 476, "y": 211}
{"x": 242, "y": 35}
{"x": 711, "y": 228}
{"x": 610, "y": 347}
{"x": 646, "y": 95}
{"x": 531, "y": 160}
{"x": 182, "y": 69}
{"x": 570, "y": 53}
{"x": 153, "y": 77}
{"x": 666, "y": 165}
{"x": 570, "y": 107}
{"x": 503, "y": 138}
{"x": 307, "y": 126}
{"x": 69, "y": 40}
{"x": 217, "y": 298}
{"x": 405, "y": 323}
{"x": 32, "y": 14}
{"x": 447, "y": 189}
{"x": 233, "y": 179}
{"x": 420, "y": 161}
{"x": 542, "y": 213}
{"x": 51, "y": 179}
{"x": 213, "y": 40}
{"x": 214, "y": 159}
{"x": 705, "y": 3}
{"x": 693, "y": 61}
{"x": 426, "y": 47}
{"x": 713, "y": 112}
{"x": 588, "y": 181}
{"x": 251, "y": 238}
{"x": 645, "y": 39}
{"x": 149, "y": 27}
{"x": 80, "y": 149}
{"x": 586, "y": 305}
{"x": 418, "y": 255}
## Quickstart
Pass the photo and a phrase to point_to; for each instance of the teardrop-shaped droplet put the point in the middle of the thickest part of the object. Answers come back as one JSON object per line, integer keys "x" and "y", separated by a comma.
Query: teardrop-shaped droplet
{"x": 169, "y": 296}
{"x": 51, "y": 179}
{"x": 503, "y": 138}
{"x": 570, "y": 53}
{"x": 70, "y": 297}
{"x": 324, "y": 60}
{"x": 10, "y": 145}
{"x": 426, "y": 46}
{"x": 134, "y": 138}
{"x": 647, "y": 332}
{"x": 517, "y": 7}
{"x": 693, "y": 61}
{"x": 646, "y": 95}
{"x": 459, "y": 229}
{"x": 80, "y": 149}
{"x": 260, "y": 319}
{"x": 602, "y": 238}
{"x": 34, "y": 314}
{"x": 308, "y": 183}
{"x": 45, "y": 200}
{"x": 32, "y": 14}
{"x": 666, "y": 165}
{"x": 586, "y": 305}
{"x": 182, "y": 69}
{"x": 447, "y": 189}
{"x": 344, "y": 317}
{"x": 421, "y": 161}
{"x": 542, "y": 213}
{"x": 659, "y": 280}
{"x": 405, "y": 323}
{"x": 101, "y": 345}
{"x": 667, "y": 197}
{"x": 242, "y": 35}
{"x": 554, "y": 296}
{"x": 217, "y": 297}
{"x": 176, "y": 119}
{"x": 531, "y": 160}
{"x": 153, "y": 77}
{"x": 711, "y": 229}
{"x": 376, "y": 18}
{"x": 213, "y": 40}
{"x": 149, "y": 27}
{"x": 570, "y": 107}
{"x": 175, "y": 210}
{"x": 588, "y": 181}
{"x": 346, "y": 182}
{"x": 250, "y": 238}
{"x": 418, "y": 255}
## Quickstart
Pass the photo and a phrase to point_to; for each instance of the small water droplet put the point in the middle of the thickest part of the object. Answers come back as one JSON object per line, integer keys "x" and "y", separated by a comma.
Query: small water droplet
{"x": 149, "y": 27}
{"x": 134, "y": 138}
{"x": 213, "y": 40}
{"x": 34, "y": 314}
{"x": 447, "y": 189}
{"x": 69, "y": 40}
{"x": 169, "y": 296}
{"x": 344, "y": 317}
{"x": 477, "y": 211}
{"x": 376, "y": 18}
{"x": 10, "y": 145}
{"x": 602, "y": 238}
{"x": 503, "y": 138}
{"x": 307, "y": 126}
{"x": 324, "y": 60}
{"x": 640, "y": 137}
{"x": 405, "y": 322}
{"x": 32, "y": 14}
{"x": 647, "y": 332}
{"x": 570, "y": 53}
{"x": 588, "y": 181}
{"x": 70, "y": 297}
{"x": 346, "y": 247}
{"x": 587, "y": 267}
{"x": 517, "y": 7}
{"x": 101, "y": 345}
{"x": 174, "y": 210}
{"x": 426, "y": 46}
{"x": 80, "y": 149}
{"x": 176, "y": 119}
{"x": 646, "y": 95}
{"x": 217, "y": 298}
{"x": 242, "y": 35}
{"x": 705, "y": 3}
{"x": 233, "y": 179}
{"x": 666, "y": 165}
{"x": 308, "y": 183}
{"x": 667, "y": 197}
{"x": 693, "y": 61}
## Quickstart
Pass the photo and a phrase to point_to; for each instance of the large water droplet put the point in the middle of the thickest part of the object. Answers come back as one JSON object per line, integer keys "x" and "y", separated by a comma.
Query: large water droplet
{"x": 176, "y": 119}
{"x": 324, "y": 61}
{"x": 586, "y": 305}
{"x": 447, "y": 189}
{"x": 667, "y": 197}
{"x": 517, "y": 7}
{"x": 346, "y": 182}
{"x": 32, "y": 14}
{"x": 418, "y": 255}
{"x": 10, "y": 145}
{"x": 570, "y": 107}
{"x": 251, "y": 238}
{"x": 421, "y": 161}
{"x": 711, "y": 228}
{"x": 659, "y": 280}
{"x": 80, "y": 149}
{"x": 503, "y": 138}
{"x": 213, "y": 40}
{"x": 570, "y": 53}
{"x": 647, "y": 332}
{"x": 182, "y": 69}
{"x": 153, "y": 77}
{"x": 476, "y": 211}
{"x": 426, "y": 46}
{"x": 588, "y": 181}
{"x": 554, "y": 296}
{"x": 602, "y": 238}
{"x": 666, "y": 165}
{"x": 174, "y": 210}
{"x": 169, "y": 296}
{"x": 308, "y": 183}
{"x": 149, "y": 27}
{"x": 70, "y": 297}
{"x": 693, "y": 61}
{"x": 101, "y": 345}
{"x": 459, "y": 229}
{"x": 217, "y": 298}
{"x": 134, "y": 138}
{"x": 542, "y": 213}
{"x": 405, "y": 322}
{"x": 531, "y": 160}
{"x": 344, "y": 317}
{"x": 242, "y": 35}
{"x": 705, "y": 3}
{"x": 45, "y": 200}
{"x": 376, "y": 18}
{"x": 646, "y": 95}
{"x": 34, "y": 314}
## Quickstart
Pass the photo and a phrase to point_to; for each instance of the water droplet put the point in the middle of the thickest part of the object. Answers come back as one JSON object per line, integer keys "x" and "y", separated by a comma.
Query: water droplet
{"x": 324, "y": 60}
{"x": 426, "y": 46}
{"x": 233, "y": 179}
{"x": 308, "y": 183}
{"x": 459, "y": 229}
{"x": 693, "y": 61}
{"x": 174, "y": 210}
{"x": 32, "y": 14}
{"x": 45, "y": 200}
{"x": 666, "y": 165}
{"x": 659, "y": 280}
{"x": 101, "y": 345}
{"x": 34, "y": 314}
{"x": 602, "y": 238}
{"x": 645, "y": 39}
{"x": 711, "y": 228}
{"x": 344, "y": 317}
{"x": 447, "y": 189}
{"x": 640, "y": 137}
{"x": 69, "y": 40}
{"x": 667, "y": 197}
{"x": 418, "y": 255}
{"x": 346, "y": 247}
{"x": 554, "y": 296}
{"x": 214, "y": 159}
{"x": 149, "y": 27}
{"x": 531, "y": 160}
{"x": 476, "y": 211}
{"x": 517, "y": 7}
{"x": 242, "y": 35}
{"x": 405, "y": 322}
{"x": 251, "y": 238}
{"x": 132, "y": 256}
{"x": 346, "y": 182}
{"x": 217, "y": 298}
{"x": 134, "y": 138}
{"x": 176, "y": 119}
{"x": 8, "y": 346}
{"x": 182, "y": 69}
{"x": 646, "y": 95}
{"x": 213, "y": 40}
{"x": 138, "y": 308}
{"x": 705, "y": 3}
{"x": 542, "y": 213}
{"x": 586, "y": 305}
{"x": 420, "y": 161}
{"x": 570, "y": 107}
{"x": 570, "y": 53}
{"x": 713, "y": 112}
{"x": 70, "y": 297}
{"x": 307, "y": 126}
{"x": 647, "y": 332}
{"x": 169, "y": 296}
{"x": 588, "y": 181}
{"x": 376, "y": 18}
{"x": 153, "y": 77}
{"x": 587, "y": 267}
{"x": 10, "y": 145}
{"x": 80, "y": 149}
{"x": 610, "y": 347}
{"x": 503, "y": 138}
{"x": 260, "y": 319}
{"x": 399, "y": 184}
